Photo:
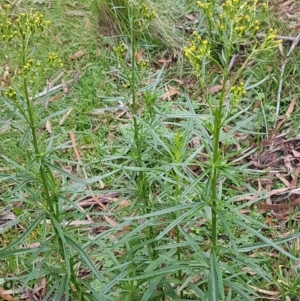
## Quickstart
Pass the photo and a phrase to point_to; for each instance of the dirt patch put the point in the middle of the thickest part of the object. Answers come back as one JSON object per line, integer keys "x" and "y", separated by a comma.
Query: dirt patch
{"x": 288, "y": 12}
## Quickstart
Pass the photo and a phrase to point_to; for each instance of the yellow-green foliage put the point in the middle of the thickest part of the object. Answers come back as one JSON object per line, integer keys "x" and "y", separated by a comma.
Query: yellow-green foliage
{"x": 25, "y": 24}
{"x": 228, "y": 26}
{"x": 23, "y": 28}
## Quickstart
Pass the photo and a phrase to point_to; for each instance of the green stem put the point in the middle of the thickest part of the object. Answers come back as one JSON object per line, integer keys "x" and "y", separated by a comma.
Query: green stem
{"x": 218, "y": 123}
{"x": 33, "y": 127}
{"x": 216, "y": 159}
{"x": 51, "y": 204}
{"x": 177, "y": 232}
{"x": 142, "y": 183}
{"x": 133, "y": 99}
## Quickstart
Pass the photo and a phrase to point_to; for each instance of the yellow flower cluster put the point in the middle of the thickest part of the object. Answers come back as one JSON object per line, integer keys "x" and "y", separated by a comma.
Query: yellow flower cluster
{"x": 239, "y": 16}
{"x": 120, "y": 51}
{"x": 143, "y": 65}
{"x": 120, "y": 48}
{"x": 270, "y": 39}
{"x": 11, "y": 93}
{"x": 31, "y": 68}
{"x": 30, "y": 22}
{"x": 54, "y": 61}
{"x": 239, "y": 89}
{"x": 231, "y": 7}
{"x": 27, "y": 68}
{"x": 197, "y": 50}
{"x": 271, "y": 34}
{"x": 147, "y": 14}
{"x": 203, "y": 6}
{"x": 7, "y": 30}
{"x": 23, "y": 25}
{"x": 238, "y": 92}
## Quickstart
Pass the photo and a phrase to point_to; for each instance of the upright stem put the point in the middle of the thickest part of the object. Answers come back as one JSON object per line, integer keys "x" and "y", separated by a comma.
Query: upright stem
{"x": 216, "y": 159}
{"x": 33, "y": 129}
{"x": 42, "y": 170}
{"x": 178, "y": 250}
{"x": 142, "y": 189}
{"x": 216, "y": 148}
{"x": 133, "y": 99}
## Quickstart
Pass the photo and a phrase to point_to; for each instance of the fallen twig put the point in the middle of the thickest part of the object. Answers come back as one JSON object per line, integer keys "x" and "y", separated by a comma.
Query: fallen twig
{"x": 283, "y": 38}
{"x": 48, "y": 91}
{"x": 259, "y": 35}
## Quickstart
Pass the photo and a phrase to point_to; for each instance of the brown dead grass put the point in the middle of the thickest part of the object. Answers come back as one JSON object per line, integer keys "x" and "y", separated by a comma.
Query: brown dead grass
{"x": 288, "y": 13}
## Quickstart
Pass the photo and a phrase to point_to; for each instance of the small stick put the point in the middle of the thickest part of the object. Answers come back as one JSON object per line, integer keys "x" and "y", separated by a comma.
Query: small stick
{"x": 232, "y": 62}
{"x": 283, "y": 38}
{"x": 55, "y": 88}
{"x": 259, "y": 35}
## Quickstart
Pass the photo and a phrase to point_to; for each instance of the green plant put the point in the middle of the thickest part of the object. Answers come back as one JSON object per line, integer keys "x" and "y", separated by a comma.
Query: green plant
{"x": 160, "y": 259}
{"x": 38, "y": 181}
{"x": 159, "y": 157}
{"x": 228, "y": 26}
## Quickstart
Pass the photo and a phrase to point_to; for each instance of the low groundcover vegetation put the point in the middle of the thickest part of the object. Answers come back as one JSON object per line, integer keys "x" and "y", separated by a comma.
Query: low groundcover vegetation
{"x": 156, "y": 163}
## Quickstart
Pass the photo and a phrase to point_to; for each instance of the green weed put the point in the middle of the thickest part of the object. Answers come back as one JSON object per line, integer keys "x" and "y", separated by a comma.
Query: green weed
{"x": 175, "y": 231}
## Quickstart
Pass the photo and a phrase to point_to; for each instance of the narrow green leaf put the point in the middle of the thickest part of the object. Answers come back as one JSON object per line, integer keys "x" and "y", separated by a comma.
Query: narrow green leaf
{"x": 86, "y": 181}
{"x": 257, "y": 83}
{"x": 228, "y": 231}
{"x": 170, "y": 291}
{"x": 21, "y": 239}
{"x": 113, "y": 281}
{"x": 266, "y": 240}
{"x": 163, "y": 211}
{"x": 151, "y": 288}
{"x": 61, "y": 289}
{"x": 85, "y": 257}
{"x": 239, "y": 291}
{"x": 13, "y": 163}
{"x": 176, "y": 221}
{"x": 63, "y": 244}
{"x": 50, "y": 290}
{"x": 259, "y": 245}
{"x": 215, "y": 278}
